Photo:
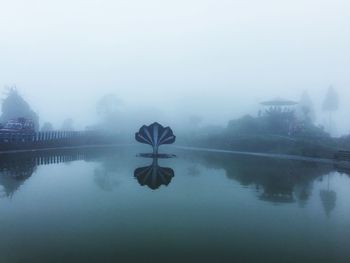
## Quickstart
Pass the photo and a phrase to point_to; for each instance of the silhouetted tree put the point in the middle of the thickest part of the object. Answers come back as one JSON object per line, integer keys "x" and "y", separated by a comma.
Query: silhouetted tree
{"x": 47, "y": 126}
{"x": 68, "y": 125}
{"x": 14, "y": 106}
{"x": 331, "y": 104}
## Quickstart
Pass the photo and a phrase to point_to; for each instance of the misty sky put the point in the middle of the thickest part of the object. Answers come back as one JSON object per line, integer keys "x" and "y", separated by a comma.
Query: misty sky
{"x": 216, "y": 58}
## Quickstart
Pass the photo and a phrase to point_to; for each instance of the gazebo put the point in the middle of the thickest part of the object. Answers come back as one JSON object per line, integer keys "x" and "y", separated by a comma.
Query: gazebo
{"x": 278, "y": 106}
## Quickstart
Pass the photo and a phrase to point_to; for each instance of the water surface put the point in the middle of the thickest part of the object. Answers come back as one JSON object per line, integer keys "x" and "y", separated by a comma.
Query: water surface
{"x": 108, "y": 205}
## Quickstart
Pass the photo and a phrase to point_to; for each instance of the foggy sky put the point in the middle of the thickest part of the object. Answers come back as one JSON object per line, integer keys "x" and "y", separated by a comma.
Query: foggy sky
{"x": 215, "y": 58}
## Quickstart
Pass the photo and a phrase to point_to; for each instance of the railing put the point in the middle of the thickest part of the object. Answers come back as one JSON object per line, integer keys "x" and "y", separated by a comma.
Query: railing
{"x": 51, "y": 139}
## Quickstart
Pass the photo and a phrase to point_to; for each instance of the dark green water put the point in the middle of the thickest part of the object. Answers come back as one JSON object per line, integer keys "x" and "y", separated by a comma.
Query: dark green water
{"x": 88, "y": 206}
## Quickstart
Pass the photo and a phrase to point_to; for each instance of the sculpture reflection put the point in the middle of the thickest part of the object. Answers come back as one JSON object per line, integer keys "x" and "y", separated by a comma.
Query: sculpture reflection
{"x": 154, "y": 175}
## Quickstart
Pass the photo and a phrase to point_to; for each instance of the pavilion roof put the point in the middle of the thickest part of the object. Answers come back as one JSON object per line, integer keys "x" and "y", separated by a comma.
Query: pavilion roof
{"x": 279, "y": 102}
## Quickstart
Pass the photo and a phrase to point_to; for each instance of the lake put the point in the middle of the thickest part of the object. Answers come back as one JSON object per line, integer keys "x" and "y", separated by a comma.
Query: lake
{"x": 111, "y": 205}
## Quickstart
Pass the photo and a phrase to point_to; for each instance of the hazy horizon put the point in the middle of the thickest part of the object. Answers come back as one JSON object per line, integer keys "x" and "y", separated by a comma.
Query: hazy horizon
{"x": 216, "y": 59}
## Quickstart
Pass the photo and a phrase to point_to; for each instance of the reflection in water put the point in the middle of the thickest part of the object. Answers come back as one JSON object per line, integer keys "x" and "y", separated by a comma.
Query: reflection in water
{"x": 16, "y": 168}
{"x": 13, "y": 172}
{"x": 153, "y": 175}
{"x": 221, "y": 208}
{"x": 328, "y": 198}
{"x": 282, "y": 194}
{"x": 276, "y": 181}
{"x": 105, "y": 179}
{"x": 193, "y": 170}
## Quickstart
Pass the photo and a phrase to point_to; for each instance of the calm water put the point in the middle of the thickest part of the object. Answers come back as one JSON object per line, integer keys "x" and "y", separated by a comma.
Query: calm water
{"x": 108, "y": 205}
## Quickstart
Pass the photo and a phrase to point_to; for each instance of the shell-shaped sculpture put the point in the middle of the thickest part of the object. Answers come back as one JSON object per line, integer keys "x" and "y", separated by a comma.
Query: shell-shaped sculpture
{"x": 155, "y": 135}
{"x": 154, "y": 176}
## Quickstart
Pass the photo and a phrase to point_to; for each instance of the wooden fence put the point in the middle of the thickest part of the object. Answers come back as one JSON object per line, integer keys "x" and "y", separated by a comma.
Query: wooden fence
{"x": 51, "y": 139}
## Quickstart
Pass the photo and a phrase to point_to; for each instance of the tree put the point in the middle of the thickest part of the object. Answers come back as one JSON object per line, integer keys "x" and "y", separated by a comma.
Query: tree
{"x": 108, "y": 110}
{"x": 330, "y": 104}
{"x": 307, "y": 107}
{"x": 108, "y": 105}
{"x": 68, "y": 125}
{"x": 47, "y": 126}
{"x": 14, "y": 106}
{"x": 247, "y": 125}
{"x": 195, "y": 121}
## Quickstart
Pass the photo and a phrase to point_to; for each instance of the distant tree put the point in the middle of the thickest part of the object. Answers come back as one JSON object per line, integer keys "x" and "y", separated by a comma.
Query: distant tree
{"x": 307, "y": 107}
{"x": 246, "y": 125}
{"x": 14, "y": 106}
{"x": 331, "y": 104}
{"x": 108, "y": 110}
{"x": 195, "y": 121}
{"x": 47, "y": 126}
{"x": 68, "y": 125}
{"x": 108, "y": 105}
